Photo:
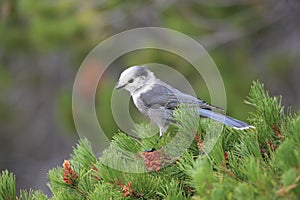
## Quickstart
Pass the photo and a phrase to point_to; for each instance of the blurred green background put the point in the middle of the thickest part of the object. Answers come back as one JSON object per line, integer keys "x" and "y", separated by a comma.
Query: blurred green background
{"x": 42, "y": 44}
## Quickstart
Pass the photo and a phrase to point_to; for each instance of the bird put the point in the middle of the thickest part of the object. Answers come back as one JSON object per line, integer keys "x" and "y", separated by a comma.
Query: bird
{"x": 158, "y": 100}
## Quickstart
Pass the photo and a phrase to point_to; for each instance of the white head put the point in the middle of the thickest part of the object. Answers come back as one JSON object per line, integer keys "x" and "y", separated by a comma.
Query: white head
{"x": 134, "y": 78}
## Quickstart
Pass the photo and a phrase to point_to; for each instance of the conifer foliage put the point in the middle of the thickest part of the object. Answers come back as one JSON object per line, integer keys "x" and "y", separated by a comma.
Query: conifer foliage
{"x": 263, "y": 163}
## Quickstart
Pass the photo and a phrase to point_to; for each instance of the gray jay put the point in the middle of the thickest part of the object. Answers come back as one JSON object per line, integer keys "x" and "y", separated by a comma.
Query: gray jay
{"x": 157, "y": 100}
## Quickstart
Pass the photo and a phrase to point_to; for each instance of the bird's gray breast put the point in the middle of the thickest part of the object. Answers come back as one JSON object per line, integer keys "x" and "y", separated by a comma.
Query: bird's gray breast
{"x": 139, "y": 104}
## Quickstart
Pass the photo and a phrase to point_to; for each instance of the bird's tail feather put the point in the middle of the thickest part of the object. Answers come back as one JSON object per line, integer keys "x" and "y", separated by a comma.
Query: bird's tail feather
{"x": 229, "y": 121}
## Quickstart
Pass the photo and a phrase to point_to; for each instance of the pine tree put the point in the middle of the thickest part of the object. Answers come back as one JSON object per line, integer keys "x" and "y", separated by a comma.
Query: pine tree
{"x": 263, "y": 163}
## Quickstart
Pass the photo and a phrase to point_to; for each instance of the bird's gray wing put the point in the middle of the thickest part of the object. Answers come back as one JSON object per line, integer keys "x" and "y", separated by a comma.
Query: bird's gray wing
{"x": 160, "y": 95}
{"x": 168, "y": 97}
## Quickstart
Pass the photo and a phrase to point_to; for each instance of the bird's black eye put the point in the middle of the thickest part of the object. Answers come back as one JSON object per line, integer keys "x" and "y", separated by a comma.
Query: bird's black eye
{"x": 130, "y": 81}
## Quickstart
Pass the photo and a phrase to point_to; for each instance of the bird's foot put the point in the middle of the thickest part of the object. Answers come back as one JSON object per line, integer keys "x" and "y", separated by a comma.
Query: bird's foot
{"x": 157, "y": 141}
{"x": 150, "y": 150}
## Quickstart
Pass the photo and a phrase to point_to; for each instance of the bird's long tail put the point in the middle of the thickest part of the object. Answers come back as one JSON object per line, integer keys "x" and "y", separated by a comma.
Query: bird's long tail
{"x": 229, "y": 121}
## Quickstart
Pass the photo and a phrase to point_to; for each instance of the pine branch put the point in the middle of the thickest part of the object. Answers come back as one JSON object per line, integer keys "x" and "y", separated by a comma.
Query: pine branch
{"x": 32, "y": 195}
{"x": 255, "y": 164}
{"x": 269, "y": 117}
{"x": 7, "y": 186}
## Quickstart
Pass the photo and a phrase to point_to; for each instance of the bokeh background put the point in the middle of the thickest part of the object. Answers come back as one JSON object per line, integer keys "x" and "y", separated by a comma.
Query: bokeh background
{"x": 42, "y": 44}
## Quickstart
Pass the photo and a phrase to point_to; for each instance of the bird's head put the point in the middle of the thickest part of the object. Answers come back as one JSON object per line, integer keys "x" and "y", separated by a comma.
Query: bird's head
{"x": 135, "y": 78}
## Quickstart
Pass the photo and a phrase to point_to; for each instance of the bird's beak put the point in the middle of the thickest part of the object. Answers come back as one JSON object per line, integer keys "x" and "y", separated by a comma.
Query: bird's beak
{"x": 119, "y": 86}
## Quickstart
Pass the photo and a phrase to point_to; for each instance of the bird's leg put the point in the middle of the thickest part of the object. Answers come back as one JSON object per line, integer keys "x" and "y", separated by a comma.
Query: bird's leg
{"x": 160, "y": 135}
